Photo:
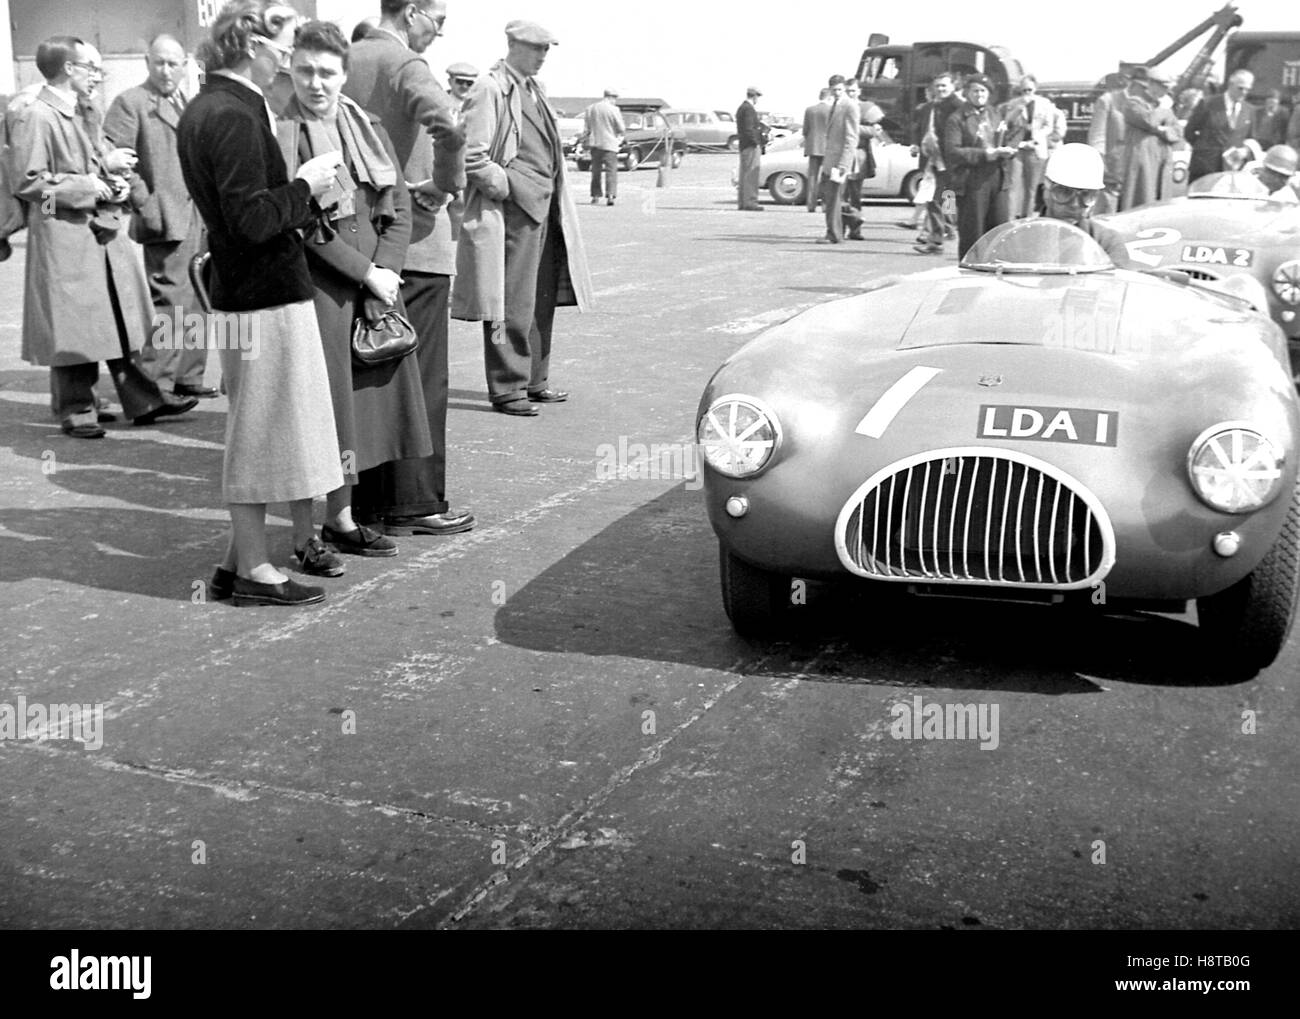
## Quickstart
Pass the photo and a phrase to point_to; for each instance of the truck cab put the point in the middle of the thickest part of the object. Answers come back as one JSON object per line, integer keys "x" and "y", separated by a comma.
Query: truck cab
{"x": 894, "y": 76}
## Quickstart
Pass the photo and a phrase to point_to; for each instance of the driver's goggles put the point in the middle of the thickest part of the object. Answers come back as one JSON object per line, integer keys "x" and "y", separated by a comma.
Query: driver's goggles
{"x": 1072, "y": 196}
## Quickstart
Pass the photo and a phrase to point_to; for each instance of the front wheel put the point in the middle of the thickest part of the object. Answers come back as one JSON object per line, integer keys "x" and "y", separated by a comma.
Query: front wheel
{"x": 733, "y": 144}
{"x": 787, "y": 187}
{"x": 1246, "y": 627}
{"x": 756, "y": 601}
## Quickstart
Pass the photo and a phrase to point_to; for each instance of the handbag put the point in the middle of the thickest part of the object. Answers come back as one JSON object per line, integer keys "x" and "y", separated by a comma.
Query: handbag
{"x": 390, "y": 339}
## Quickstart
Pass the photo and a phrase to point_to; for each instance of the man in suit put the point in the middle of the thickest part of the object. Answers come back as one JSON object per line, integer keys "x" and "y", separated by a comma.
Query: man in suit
{"x": 85, "y": 298}
{"x": 603, "y": 134}
{"x": 1220, "y": 124}
{"x": 1107, "y": 134}
{"x": 842, "y": 128}
{"x": 388, "y": 77}
{"x": 144, "y": 119}
{"x": 1271, "y": 121}
{"x": 752, "y": 135}
{"x": 520, "y": 252}
{"x": 814, "y": 143}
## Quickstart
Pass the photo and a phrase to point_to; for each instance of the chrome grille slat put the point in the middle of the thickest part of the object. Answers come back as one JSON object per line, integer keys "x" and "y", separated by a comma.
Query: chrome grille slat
{"x": 1004, "y": 518}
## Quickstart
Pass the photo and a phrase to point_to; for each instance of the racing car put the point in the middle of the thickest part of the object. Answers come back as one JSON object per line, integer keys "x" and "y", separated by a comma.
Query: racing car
{"x": 1227, "y": 224}
{"x": 1034, "y": 424}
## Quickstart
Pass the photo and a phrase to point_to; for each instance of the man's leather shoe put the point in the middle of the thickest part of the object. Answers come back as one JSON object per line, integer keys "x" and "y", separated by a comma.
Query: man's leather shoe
{"x": 362, "y": 541}
{"x": 171, "y": 406}
{"x": 434, "y": 523}
{"x": 105, "y": 417}
{"x": 855, "y": 236}
{"x": 549, "y": 396}
{"x": 828, "y": 239}
{"x": 198, "y": 392}
{"x": 517, "y": 408}
{"x": 222, "y": 584}
{"x": 83, "y": 431}
{"x": 250, "y": 592}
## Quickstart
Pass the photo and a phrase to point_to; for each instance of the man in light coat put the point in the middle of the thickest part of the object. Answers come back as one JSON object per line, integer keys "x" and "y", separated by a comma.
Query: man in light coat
{"x": 841, "y": 157}
{"x": 603, "y": 134}
{"x": 814, "y": 143}
{"x": 388, "y": 77}
{"x": 520, "y": 253}
{"x": 1106, "y": 134}
{"x": 1040, "y": 126}
{"x": 144, "y": 119}
{"x": 85, "y": 299}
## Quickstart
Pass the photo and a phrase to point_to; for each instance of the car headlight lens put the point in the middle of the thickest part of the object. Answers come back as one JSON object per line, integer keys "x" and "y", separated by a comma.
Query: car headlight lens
{"x": 1286, "y": 282}
{"x": 739, "y": 436}
{"x": 1235, "y": 469}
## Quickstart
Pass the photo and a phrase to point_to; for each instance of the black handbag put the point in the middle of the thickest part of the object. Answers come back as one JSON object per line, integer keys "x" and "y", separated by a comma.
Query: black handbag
{"x": 390, "y": 339}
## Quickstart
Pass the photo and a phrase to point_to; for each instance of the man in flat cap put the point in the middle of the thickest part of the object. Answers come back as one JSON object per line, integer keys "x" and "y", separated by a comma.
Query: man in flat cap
{"x": 603, "y": 135}
{"x": 1151, "y": 129}
{"x": 460, "y": 79}
{"x": 519, "y": 215}
{"x": 752, "y": 134}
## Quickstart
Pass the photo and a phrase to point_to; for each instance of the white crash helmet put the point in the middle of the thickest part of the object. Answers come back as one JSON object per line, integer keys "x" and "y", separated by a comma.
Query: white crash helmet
{"x": 1281, "y": 159}
{"x": 1076, "y": 166}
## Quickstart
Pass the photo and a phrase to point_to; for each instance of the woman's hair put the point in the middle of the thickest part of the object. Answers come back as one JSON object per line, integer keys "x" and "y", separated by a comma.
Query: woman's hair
{"x": 322, "y": 37}
{"x": 53, "y": 53}
{"x": 238, "y": 22}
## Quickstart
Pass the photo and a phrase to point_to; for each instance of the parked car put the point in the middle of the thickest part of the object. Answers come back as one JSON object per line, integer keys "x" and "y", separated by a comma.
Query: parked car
{"x": 1226, "y": 224}
{"x": 704, "y": 129}
{"x": 1033, "y": 425}
{"x": 784, "y": 171}
{"x": 644, "y": 141}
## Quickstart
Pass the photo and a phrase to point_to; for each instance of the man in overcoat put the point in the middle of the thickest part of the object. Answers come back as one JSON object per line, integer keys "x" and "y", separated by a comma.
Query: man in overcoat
{"x": 170, "y": 229}
{"x": 1107, "y": 134}
{"x": 85, "y": 299}
{"x": 1151, "y": 130}
{"x": 520, "y": 253}
{"x": 388, "y": 77}
{"x": 814, "y": 143}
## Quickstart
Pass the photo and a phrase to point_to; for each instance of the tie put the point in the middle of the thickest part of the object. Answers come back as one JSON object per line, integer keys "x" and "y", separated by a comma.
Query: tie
{"x": 1236, "y": 107}
{"x": 178, "y": 102}
{"x": 1029, "y": 114}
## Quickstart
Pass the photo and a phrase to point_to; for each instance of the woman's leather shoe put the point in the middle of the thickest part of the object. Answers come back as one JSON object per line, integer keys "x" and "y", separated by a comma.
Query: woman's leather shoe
{"x": 250, "y": 592}
{"x": 222, "y": 584}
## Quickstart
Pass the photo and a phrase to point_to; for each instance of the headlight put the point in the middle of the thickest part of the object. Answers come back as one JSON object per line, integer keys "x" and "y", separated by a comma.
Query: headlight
{"x": 1286, "y": 282}
{"x": 1235, "y": 469}
{"x": 739, "y": 436}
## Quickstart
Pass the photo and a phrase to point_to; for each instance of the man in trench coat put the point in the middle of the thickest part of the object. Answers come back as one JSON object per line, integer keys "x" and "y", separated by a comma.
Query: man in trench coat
{"x": 520, "y": 253}
{"x": 1151, "y": 131}
{"x": 85, "y": 299}
{"x": 169, "y": 228}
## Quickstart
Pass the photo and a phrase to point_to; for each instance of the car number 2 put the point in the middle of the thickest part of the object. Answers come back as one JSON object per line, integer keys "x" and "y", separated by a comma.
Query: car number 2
{"x": 1158, "y": 237}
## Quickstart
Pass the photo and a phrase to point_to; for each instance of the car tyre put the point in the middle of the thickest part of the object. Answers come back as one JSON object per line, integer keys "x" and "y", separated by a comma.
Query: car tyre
{"x": 1246, "y": 627}
{"x": 678, "y": 156}
{"x": 633, "y": 159}
{"x": 733, "y": 144}
{"x": 911, "y": 185}
{"x": 787, "y": 187}
{"x": 756, "y": 600}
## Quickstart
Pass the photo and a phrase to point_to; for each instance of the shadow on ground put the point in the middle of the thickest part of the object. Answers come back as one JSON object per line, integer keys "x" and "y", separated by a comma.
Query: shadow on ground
{"x": 647, "y": 587}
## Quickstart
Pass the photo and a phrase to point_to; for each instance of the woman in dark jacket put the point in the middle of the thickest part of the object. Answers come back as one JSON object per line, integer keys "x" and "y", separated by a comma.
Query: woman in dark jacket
{"x": 354, "y": 251}
{"x": 280, "y": 442}
{"x": 977, "y": 157}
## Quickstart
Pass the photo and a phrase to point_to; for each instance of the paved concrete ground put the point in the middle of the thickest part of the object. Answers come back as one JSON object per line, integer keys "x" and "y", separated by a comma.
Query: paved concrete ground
{"x": 504, "y": 771}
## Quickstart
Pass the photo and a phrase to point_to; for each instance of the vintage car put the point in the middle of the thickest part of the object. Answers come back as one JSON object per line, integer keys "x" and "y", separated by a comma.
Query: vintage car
{"x": 648, "y": 135}
{"x": 1033, "y": 425}
{"x": 1226, "y": 224}
{"x": 704, "y": 129}
{"x": 783, "y": 171}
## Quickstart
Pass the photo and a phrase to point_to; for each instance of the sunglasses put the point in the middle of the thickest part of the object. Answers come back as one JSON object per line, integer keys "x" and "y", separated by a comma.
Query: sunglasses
{"x": 1072, "y": 196}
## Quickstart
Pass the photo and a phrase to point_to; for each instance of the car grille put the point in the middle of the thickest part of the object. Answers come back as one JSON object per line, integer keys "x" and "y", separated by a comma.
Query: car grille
{"x": 976, "y": 516}
{"x": 1198, "y": 274}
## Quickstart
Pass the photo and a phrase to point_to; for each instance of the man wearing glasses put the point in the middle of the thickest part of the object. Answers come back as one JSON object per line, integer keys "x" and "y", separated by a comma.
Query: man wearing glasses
{"x": 1073, "y": 181}
{"x": 388, "y": 77}
{"x": 86, "y": 298}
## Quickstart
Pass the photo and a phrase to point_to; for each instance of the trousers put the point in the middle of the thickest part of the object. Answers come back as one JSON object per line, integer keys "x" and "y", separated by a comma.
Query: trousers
{"x": 980, "y": 209}
{"x": 604, "y": 161}
{"x": 747, "y": 182}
